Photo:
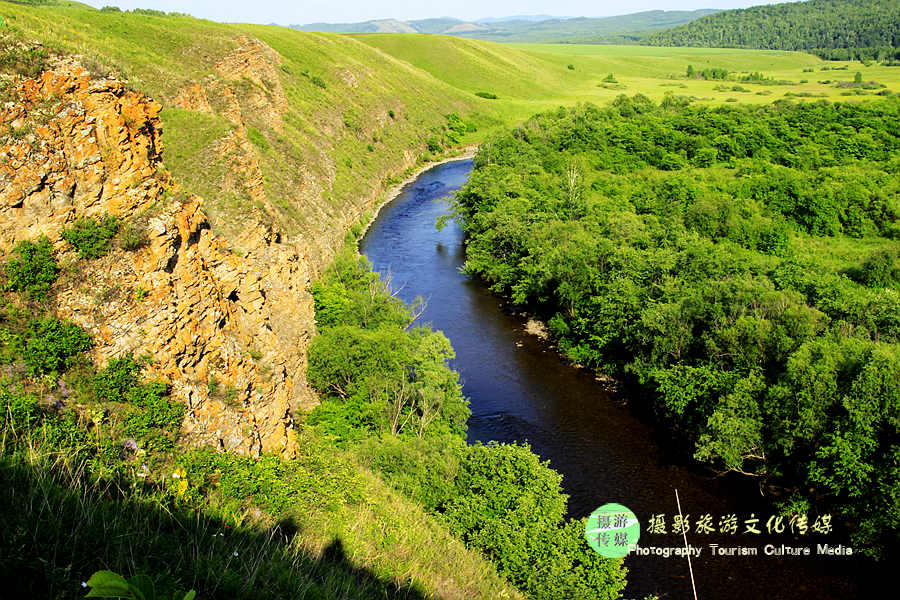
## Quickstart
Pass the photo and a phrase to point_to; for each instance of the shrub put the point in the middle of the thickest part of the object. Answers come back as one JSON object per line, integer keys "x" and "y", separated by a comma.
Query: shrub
{"x": 91, "y": 237}
{"x": 434, "y": 144}
{"x": 51, "y": 344}
{"x": 154, "y": 419}
{"x": 133, "y": 237}
{"x": 881, "y": 269}
{"x": 487, "y": 95}
{"x": 318, "y": 81}
{"x": 151, "y": 12}
{"x": 115, "y": 381}
{"x": 455, "y": 128}
{"x": 571, "y": 67}
{"x": 502, "y": 500}
{"x": 33, "y": 269}
{"x": 20, "y": 411}
{"x": 20, "y": 58}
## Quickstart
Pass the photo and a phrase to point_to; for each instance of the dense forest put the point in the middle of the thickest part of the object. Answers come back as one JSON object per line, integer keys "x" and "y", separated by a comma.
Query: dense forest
{"x": 834, "y": 29}
{"x": 740, "y": 265}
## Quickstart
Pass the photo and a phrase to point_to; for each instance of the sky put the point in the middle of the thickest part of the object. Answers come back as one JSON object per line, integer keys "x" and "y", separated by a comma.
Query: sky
{"x": 334, "y": 11}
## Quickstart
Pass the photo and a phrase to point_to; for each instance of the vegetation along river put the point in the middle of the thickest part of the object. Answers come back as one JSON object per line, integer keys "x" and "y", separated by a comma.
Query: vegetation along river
{"x": 521, "y": 390}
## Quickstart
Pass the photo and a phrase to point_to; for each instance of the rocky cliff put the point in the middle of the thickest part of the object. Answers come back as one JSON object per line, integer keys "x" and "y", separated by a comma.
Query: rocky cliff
{"x": 73, "y": 146}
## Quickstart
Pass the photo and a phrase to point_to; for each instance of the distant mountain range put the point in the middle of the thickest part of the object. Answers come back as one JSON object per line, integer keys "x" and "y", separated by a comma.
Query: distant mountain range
{"x": 527, "y": 28}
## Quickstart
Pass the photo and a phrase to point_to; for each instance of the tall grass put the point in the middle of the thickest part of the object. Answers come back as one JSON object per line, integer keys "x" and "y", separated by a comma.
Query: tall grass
{"x": 61, "y": 522}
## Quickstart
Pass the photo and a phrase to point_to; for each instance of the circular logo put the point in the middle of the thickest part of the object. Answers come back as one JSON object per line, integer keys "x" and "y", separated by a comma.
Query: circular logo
{"x": 612, "y": 530}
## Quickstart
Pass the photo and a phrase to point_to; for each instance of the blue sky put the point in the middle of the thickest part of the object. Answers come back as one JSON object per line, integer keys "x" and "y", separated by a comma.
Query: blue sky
{"x": 309, "y": 11}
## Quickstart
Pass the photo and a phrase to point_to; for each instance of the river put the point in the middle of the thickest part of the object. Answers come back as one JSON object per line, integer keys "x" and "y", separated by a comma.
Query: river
{"x": 521, "y": 390}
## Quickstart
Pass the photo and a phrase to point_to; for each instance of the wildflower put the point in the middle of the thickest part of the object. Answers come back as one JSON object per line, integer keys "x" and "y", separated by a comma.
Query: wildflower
{"x": 235, "y": 553}
{"x": 130, "y": 444}
{"x": 144, "y": 470}
{"x": 179, "y": 473}
{"x": 84, "y": 584}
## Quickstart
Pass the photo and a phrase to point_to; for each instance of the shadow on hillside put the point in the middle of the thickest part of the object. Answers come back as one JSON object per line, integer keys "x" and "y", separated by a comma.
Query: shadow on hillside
{"x": 54, "y": 535}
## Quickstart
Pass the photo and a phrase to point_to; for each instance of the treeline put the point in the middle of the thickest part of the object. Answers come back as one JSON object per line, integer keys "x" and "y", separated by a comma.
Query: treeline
{"x": 391, "y": 399}
{"x": 741, "y": 264}
{"x": 833, "y": 29}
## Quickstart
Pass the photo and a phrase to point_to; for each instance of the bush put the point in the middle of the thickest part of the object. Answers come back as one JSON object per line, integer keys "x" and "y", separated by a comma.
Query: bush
{"x": 487, "y": 95}
{"x": 117, "y": 380}
{"x": 33, "y": 270}
{"x": 257, "y": 138}
{"x": 51, "y": 344}
{"x": 154, "y": 419}
{"x": 133, "y": 238}
{"x": 20, "y": 410}
{"x": 434, "y": 144}
{"x": 881, "y": 269}
{"x": 20, "y": 58}
{"x": 502, "y": 500}
{"x": 91, "y": 237}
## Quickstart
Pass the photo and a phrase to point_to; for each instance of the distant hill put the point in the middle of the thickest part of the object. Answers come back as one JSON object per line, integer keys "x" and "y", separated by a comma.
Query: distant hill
{"x": 519, "y": 18}
{"x": 836, "y": 29}
{"x": 527, "y": 28}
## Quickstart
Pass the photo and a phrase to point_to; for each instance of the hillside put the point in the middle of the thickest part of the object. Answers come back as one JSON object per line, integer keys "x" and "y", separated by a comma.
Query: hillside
{"x": 838, "y": 29}
{"x": 627, "y": 28}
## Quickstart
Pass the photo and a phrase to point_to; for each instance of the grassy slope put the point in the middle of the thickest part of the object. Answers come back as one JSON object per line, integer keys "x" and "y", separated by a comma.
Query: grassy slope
{"x": 587, "y": 29}
{"x": 520, "y": 30}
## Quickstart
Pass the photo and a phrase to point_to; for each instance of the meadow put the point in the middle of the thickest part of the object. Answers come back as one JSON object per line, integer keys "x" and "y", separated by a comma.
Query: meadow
{"x": 535, "y": 77}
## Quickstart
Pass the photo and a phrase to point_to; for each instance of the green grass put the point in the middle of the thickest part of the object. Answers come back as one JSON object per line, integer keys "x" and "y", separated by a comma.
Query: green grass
{"x": 305, "y": 152}
{"x": 68, "y": 523}
{"x": 536, "y": 76}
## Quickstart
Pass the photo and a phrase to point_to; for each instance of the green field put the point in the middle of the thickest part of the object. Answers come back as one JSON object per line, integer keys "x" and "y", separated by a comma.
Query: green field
{"x": 536, "y": 76}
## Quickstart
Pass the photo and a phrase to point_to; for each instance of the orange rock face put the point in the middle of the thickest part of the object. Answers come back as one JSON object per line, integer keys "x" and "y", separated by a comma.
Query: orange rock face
{"x": 74, "y": 147}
